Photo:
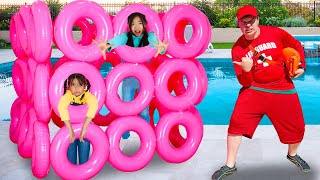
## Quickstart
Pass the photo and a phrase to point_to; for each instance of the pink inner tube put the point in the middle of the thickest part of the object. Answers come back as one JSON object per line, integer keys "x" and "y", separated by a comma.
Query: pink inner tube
{"x": 32, "y": 64}
{"x": 179, "y": 88}
{"x": 147, "y": 137}
{"x": 19, "y": 77}
{"x": 142, "y": 54}
{"x": 58, "y": 153}
{"x": 87, "y": 31}
{"x": 41, "y": 32}
{"x": 14, "y": 38}
{"x": 40, "y": 162}
{"x": 115, "y": 77}
{"x": 67, "y": 18}
{"x": 24, "y": 106}
{"x": 194, "y": 128}
{"x": 175, "y": 137}
{"x": 23, "y": 25}
{"x": 77, "y": 113}
{"x": 15, "y": 115}
{"x": 172, "y": 18}
{"x": 193, "y": 92}
{"x": 26, "y": 134}
{"x": 60, "y": 61}
{"x": 208, "y": 40}
{"x": 41, "y": 82}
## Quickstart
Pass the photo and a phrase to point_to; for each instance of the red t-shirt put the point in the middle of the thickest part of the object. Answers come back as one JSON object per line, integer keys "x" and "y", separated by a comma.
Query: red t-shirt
{"x": 269, "y": 43}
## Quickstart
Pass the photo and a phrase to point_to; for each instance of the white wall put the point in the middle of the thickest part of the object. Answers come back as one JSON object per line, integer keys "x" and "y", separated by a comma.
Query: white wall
{"x": 218, "y": 34}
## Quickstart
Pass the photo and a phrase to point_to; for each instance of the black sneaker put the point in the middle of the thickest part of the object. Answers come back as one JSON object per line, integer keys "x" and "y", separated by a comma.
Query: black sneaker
{"x": 223, "y": 171}
{"x": 298, "y": 161}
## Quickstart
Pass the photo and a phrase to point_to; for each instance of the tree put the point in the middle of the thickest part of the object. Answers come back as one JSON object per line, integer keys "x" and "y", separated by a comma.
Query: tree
{"x": 54, "y": 7}
{"x": 205, "y": 7}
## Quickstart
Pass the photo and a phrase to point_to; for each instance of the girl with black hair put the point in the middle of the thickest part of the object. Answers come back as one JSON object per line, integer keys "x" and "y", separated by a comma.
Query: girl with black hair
{"x": 76, "y": 93}
{"x": 136, "y": 37}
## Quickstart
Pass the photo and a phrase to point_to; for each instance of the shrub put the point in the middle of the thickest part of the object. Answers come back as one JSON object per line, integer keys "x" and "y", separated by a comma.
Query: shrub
{"x": 6, "y": 13}
{"x": 54, "y": 7}
{"x": 273, "y": 21}
{"x": 316, "y": 23}
{"x": 224, "y": 22}
{"x": 294, "y": 22}
{"x": 5, "y": 24}
{"x": 3, "y": 43}
{"x": 207, "y": 10}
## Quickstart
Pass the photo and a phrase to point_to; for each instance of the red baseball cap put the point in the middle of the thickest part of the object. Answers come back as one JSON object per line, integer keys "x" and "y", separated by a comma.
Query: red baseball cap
{"x": 247, "y": 10}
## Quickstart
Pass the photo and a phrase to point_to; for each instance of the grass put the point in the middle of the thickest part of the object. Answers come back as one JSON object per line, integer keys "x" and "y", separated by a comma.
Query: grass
{"x": 8, "y": 46}
{"x": 222, "y": 45}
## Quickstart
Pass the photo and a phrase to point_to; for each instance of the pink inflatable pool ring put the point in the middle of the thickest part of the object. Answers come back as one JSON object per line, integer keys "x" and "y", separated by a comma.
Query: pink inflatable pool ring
{"x": 141, "y": 54}
{"x": 25, "y": 140}
{"x": 68, "y": 17}
{"x": 41, "y": 96}
{"x": 178, "y": 85}
{"x": 15, "y": 115}
{"x": 23, "y": 23}
{"x": 199, "y": 26}
{"x": 115, "y": 77}
{"x": 42, "y": 32}
{"x": 193, "y": 92}
{"x": 194, "y": 128}
{"x": 147, "y": 147}
{"x": 58, "y": 153}
{"x": 19, "y": 77}
{"x": 56, "y": 88}
{"x": 40, "y": 161}
{"x": 14, "y": 38}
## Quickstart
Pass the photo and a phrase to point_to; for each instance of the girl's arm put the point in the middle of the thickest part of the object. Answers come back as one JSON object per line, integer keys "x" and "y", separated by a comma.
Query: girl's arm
{"x": 63, "y": 105}
{"x": 156, "y": 43}
{"x": 108, "y": 45}
{"x": 118, "y": 40}
{"x": 92, "y": 103}
{"x": 70, "y": 130}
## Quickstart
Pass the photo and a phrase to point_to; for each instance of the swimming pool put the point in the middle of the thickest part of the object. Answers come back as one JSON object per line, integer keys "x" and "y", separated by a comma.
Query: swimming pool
{"x": 223, "y": 88}
{"x": 310, "y": 42}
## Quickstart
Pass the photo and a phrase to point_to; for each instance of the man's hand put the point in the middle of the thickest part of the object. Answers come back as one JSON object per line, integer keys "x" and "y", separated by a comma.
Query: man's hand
{"x": 298, "y": 73}
{"x": 246, "y": 63}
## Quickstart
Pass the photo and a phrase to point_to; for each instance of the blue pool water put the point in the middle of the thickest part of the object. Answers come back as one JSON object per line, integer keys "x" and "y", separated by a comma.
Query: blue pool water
{"x": 223, "y": 88}
{"x": 310, "y": 42}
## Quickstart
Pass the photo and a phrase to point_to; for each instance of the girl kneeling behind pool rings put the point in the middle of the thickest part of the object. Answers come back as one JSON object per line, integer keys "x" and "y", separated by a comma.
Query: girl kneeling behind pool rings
{"x": 75, "y": 94}
{"x": 136, "y": 37}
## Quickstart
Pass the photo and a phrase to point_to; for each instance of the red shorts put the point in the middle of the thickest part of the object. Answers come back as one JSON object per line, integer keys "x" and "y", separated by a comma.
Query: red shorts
{"x": 283, "y": 110}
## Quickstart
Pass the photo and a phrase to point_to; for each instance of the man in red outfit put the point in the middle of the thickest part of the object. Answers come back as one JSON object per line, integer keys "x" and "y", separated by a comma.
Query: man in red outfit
{"x": 267, "y": 89}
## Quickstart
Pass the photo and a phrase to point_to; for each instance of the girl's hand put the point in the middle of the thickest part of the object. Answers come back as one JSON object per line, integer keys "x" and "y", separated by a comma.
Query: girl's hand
{"x": 83, "y": 132}
{"x": 161, "y": 46}
{"x": 103, "y": 46}
{"x": 246, "y": 63}
{"x": 72, "y": 136}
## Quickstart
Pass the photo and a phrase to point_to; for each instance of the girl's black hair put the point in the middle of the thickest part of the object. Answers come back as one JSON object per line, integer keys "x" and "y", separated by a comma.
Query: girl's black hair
{"x": 82, "y": 80}
{"x": 144, "y": 41}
